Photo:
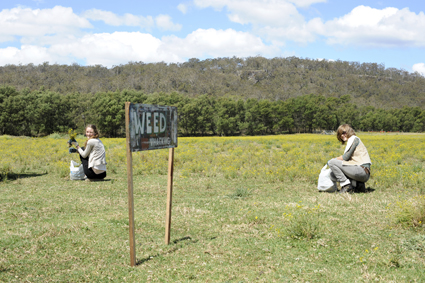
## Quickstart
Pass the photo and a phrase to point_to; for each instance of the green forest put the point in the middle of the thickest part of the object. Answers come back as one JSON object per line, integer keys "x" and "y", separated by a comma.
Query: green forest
{"x": 223, "y": 96}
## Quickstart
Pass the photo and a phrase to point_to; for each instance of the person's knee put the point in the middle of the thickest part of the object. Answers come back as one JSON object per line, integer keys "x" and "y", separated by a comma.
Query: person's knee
{"x": 332, "y": 162}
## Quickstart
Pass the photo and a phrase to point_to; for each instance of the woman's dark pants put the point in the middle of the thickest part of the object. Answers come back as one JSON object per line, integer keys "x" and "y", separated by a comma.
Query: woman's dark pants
{"x": 89, "y": 172}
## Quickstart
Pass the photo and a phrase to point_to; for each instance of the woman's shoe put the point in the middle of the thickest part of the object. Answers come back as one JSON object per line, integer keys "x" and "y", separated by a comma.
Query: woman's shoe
{"x": 347, "y": 189}
{"x": 360, "y": 188}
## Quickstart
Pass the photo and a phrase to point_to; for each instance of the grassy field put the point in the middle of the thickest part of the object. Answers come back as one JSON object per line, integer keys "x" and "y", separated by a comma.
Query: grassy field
{"x": 245, "y": 209}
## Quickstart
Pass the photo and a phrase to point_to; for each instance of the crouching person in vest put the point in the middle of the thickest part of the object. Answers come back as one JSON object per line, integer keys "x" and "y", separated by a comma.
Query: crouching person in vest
{"x": 92, "y": 156}
{"x": 352, "y": 169}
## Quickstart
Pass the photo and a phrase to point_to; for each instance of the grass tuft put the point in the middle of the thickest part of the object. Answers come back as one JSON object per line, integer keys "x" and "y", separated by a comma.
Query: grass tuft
{"x": 56, "y": 136}
{"x": 416, "y": 243}
{"x": 302, "y": 222}
{"x": 240, "y": 193}
{"x": 409, "y": 212}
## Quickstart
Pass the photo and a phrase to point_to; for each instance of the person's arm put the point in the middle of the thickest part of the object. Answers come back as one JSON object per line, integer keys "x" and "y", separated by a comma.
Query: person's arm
{"x": 347, "y": 155}
{"x": 84, "y": 153}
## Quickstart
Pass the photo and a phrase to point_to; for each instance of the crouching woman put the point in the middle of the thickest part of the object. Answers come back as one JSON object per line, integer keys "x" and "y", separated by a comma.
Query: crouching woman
{"x": 93, "y": 156}
{"x": 352, "y": 169}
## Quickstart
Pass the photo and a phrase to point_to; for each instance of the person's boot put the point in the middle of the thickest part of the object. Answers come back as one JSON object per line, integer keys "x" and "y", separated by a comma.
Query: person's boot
{"x": 360, "y": 188}
{"x": 347, "y": 189}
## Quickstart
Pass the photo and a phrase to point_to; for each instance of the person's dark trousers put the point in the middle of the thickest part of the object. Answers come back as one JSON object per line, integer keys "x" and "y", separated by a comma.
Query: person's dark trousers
{"x": 88, "y": 171}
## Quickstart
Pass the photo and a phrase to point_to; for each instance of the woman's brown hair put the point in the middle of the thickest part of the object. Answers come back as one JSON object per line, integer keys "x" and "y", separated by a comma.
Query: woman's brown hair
{"x": 344, "y": 129}
{"x": 96, "y": 133}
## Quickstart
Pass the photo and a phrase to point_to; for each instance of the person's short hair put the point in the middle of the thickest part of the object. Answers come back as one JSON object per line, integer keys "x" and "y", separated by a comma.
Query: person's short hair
{"x": 344, "y": 129}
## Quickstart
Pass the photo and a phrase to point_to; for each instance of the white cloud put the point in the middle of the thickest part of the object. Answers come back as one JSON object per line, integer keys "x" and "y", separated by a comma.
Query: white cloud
{"x": 26, "y": 22}
{"x": 266, "y": 12}
{"x": 276, "y": 20}
{"x": 121, "y": 47}
{"x": 26, "y": 55}
{"x": 280, "y": 21}
{"x": 113, "y": 49}
{"x": 366, "y": 26}
{"x": 306, "y": 3}
{"x": 297, "y": 33}
{"x": 164, "y": 23}
{"x": 105, "y": 49}
{"x": 420, "y": 68}
{"x": 182, "y": 8}
{"x": 217, "y": 43}
{"x": 112, "y": 19}
{"x": 56, "y": 35}
{"x": 5, "y": 38}
{"x": 219, "y": 4}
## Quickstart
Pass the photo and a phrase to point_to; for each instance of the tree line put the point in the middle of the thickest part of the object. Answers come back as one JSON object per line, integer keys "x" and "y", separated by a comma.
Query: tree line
{"x": 43, "y": 112}
{"x": 252, "y": 77}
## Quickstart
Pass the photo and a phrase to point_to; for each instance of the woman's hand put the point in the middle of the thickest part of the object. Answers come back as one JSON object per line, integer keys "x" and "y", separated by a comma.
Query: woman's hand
{"x": 340, "y": 158}
{"x": 77, "y": 146}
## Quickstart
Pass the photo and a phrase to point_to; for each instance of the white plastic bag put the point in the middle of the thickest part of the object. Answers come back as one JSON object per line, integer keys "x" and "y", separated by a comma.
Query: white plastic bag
{"x": 76, "y": 172}
{"x": 325, "y": 184}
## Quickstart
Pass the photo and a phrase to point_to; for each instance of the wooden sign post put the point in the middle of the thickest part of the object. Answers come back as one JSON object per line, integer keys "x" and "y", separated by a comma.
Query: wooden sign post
{"x": 149, "y": 127}
{"x": 169, "y": 195}
{"x": 130, "y": 188}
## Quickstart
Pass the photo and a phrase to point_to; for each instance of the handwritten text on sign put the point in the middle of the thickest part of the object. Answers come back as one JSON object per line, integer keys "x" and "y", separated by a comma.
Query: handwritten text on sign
{"x": 152, "y": 127}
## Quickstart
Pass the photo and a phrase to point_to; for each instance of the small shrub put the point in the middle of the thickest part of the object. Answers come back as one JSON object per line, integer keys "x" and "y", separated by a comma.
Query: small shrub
{"x": 240, "y": 193}
{"x": 417, "y": 168}
{"x": 62, "y": 168}
{"x": 55, "y": 136}
{"x": 64, "y": 172}
{"x": 408, "y": 213}
{"x": 301, "y": 222}
{"x": 5, "y": 169}
{"x": 112, "y": 168}
{"x": 416, "y": 243}
{"x": 253, "y": 219}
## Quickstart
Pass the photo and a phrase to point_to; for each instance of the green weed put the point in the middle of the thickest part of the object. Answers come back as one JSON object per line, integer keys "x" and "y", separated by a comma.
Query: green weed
{"x": 240, "y": 193}
{"x": 409, "y": 212}
{"x": 301, "y": 222}
{"x": 416, "y": 243}
{"x": 56, "y": 136}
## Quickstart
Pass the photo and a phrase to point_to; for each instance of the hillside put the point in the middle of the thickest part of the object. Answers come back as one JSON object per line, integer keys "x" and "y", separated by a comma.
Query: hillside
{"x": 369, "y": 84}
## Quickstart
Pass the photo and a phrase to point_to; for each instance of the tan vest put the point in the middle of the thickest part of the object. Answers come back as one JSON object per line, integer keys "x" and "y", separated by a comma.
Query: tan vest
{"x": 360, "y": 156}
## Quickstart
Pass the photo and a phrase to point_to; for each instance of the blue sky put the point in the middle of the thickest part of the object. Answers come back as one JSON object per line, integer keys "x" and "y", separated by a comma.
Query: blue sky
{"x": 111, "y": 33}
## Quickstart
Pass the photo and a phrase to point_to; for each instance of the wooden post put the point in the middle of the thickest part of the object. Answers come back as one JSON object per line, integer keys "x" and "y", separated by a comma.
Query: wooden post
{"x": 130, "y": 186}
{"x": 169, "y": 195}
